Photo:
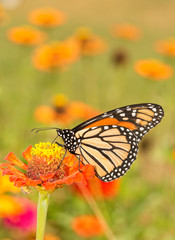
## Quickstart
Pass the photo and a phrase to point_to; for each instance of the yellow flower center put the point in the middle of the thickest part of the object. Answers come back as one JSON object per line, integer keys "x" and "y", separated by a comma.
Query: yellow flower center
{"x": 47, "y": 150}
{"x": 46, "y": 160}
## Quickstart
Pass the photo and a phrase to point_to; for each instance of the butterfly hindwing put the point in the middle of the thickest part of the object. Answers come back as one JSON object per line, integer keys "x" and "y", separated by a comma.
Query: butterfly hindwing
{"x": 111, "y": 149}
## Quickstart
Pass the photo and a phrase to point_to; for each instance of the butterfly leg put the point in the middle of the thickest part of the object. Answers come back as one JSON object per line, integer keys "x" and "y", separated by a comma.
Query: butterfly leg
{"x": 79, "y": 158}
{"x": 62, "y": 159}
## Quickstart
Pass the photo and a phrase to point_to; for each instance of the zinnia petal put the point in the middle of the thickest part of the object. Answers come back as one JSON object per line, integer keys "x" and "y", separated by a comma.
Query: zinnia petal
{"x": 27, "y": 154}
{"x": 15, "y": 161}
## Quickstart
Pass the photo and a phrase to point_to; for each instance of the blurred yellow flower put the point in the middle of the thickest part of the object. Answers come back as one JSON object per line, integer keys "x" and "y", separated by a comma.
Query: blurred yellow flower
{"x": 63, "y": 111}
{"x": 153, "y": 69}
{"x": 9, "y": 206}
{"x": 126, "y": 31}
{"x": 25, "y": 35}
{"x": 166, "y": 47}
{"x": 47, "y": 17}
{"x": 6, "y": 185}
{"x": 90, "y": 44}
{"x": 56, "y": 55}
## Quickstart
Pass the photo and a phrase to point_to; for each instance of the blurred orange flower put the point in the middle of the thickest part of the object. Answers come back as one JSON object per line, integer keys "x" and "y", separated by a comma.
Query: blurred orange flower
{"x": 100, "y": 189}
{"x": 87, "y": 226}
{"x": 166, "y": 47}
{"x": 126, "y": 31}
{"x": 56, "y": 55}
{"x": 47, "y": 17}
{"x": 45, "y": 114}
{"x": 26, "y": 35}
{"x": 153, "y": 69}
{"x": 63, "y": 111}
{"x": 81, "y": 111}
{"x": 90, "y": 44}
{"x": 45, "y": 168}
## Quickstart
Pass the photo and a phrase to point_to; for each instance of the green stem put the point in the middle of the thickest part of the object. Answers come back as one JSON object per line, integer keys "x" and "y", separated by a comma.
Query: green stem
{"x": 43, "y": 201}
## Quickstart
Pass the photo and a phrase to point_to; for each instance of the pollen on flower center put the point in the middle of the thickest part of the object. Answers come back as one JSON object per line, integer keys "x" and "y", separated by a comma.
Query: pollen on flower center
{"x": 46, "y": 161}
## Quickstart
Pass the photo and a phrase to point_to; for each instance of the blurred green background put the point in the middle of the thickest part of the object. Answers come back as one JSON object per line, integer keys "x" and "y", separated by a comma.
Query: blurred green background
{"x": 144, "y": 206}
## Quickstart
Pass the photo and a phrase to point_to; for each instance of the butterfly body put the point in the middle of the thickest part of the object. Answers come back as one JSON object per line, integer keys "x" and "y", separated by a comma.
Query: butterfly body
{"x": 110, "y": 141}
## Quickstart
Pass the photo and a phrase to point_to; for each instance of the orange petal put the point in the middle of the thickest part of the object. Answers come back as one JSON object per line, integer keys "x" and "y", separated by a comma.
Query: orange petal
{"x": 78, "y": 177}
{"x": 15, "y": 161}
{"x": 69, "y": 180}
{"x": 88, "y": 171}
{"x": 19, "y": 183}
{"x": 8, "y": 169}
{"x": 49, "y": 185}
{"x": 27, "y": 154}
{"x": 45, "y": 177}
{"x": 32, "y": 183}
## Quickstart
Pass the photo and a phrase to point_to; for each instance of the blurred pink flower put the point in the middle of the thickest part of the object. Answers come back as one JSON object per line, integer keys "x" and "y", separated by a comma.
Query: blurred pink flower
{"x": 25, "y": 220}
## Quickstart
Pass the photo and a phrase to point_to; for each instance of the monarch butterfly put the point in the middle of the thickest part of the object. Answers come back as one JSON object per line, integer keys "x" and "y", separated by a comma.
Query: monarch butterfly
{"x": 110, "y": 140}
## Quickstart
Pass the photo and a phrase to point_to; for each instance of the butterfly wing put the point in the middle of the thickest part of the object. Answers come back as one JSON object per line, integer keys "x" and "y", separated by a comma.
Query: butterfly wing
{"x": 139, "y": 118}
{"x": 110, "y": 140}
{"x": 110, "y": 149}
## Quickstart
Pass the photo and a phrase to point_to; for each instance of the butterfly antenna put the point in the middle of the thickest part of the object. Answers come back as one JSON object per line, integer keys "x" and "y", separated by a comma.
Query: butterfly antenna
{"x": 43, "y": 129}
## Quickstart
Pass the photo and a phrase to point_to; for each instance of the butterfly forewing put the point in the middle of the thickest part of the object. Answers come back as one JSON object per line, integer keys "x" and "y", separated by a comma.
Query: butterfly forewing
{"x": 139, "y": 118}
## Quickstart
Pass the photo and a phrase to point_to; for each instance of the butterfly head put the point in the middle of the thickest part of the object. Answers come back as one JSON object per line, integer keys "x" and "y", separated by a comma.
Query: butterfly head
{"x": 70, "y": 140}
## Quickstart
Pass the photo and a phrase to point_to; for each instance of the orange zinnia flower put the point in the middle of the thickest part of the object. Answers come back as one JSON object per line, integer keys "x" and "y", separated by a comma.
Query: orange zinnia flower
{"x": 166, "y": 47}
{"x": 90, "y": 44}
{"x": 126, "y": 31}
{"x": 26, "y": 35}
{"x": 153, "y": 69}
{"x": 56, "y": 55}
{"x": 63, "y": 111}
{"x": 45, "y": 169}
{"x": 100, "y": 189}
{"x": 47, "y": 17}
{"x": 87, "y": 226}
